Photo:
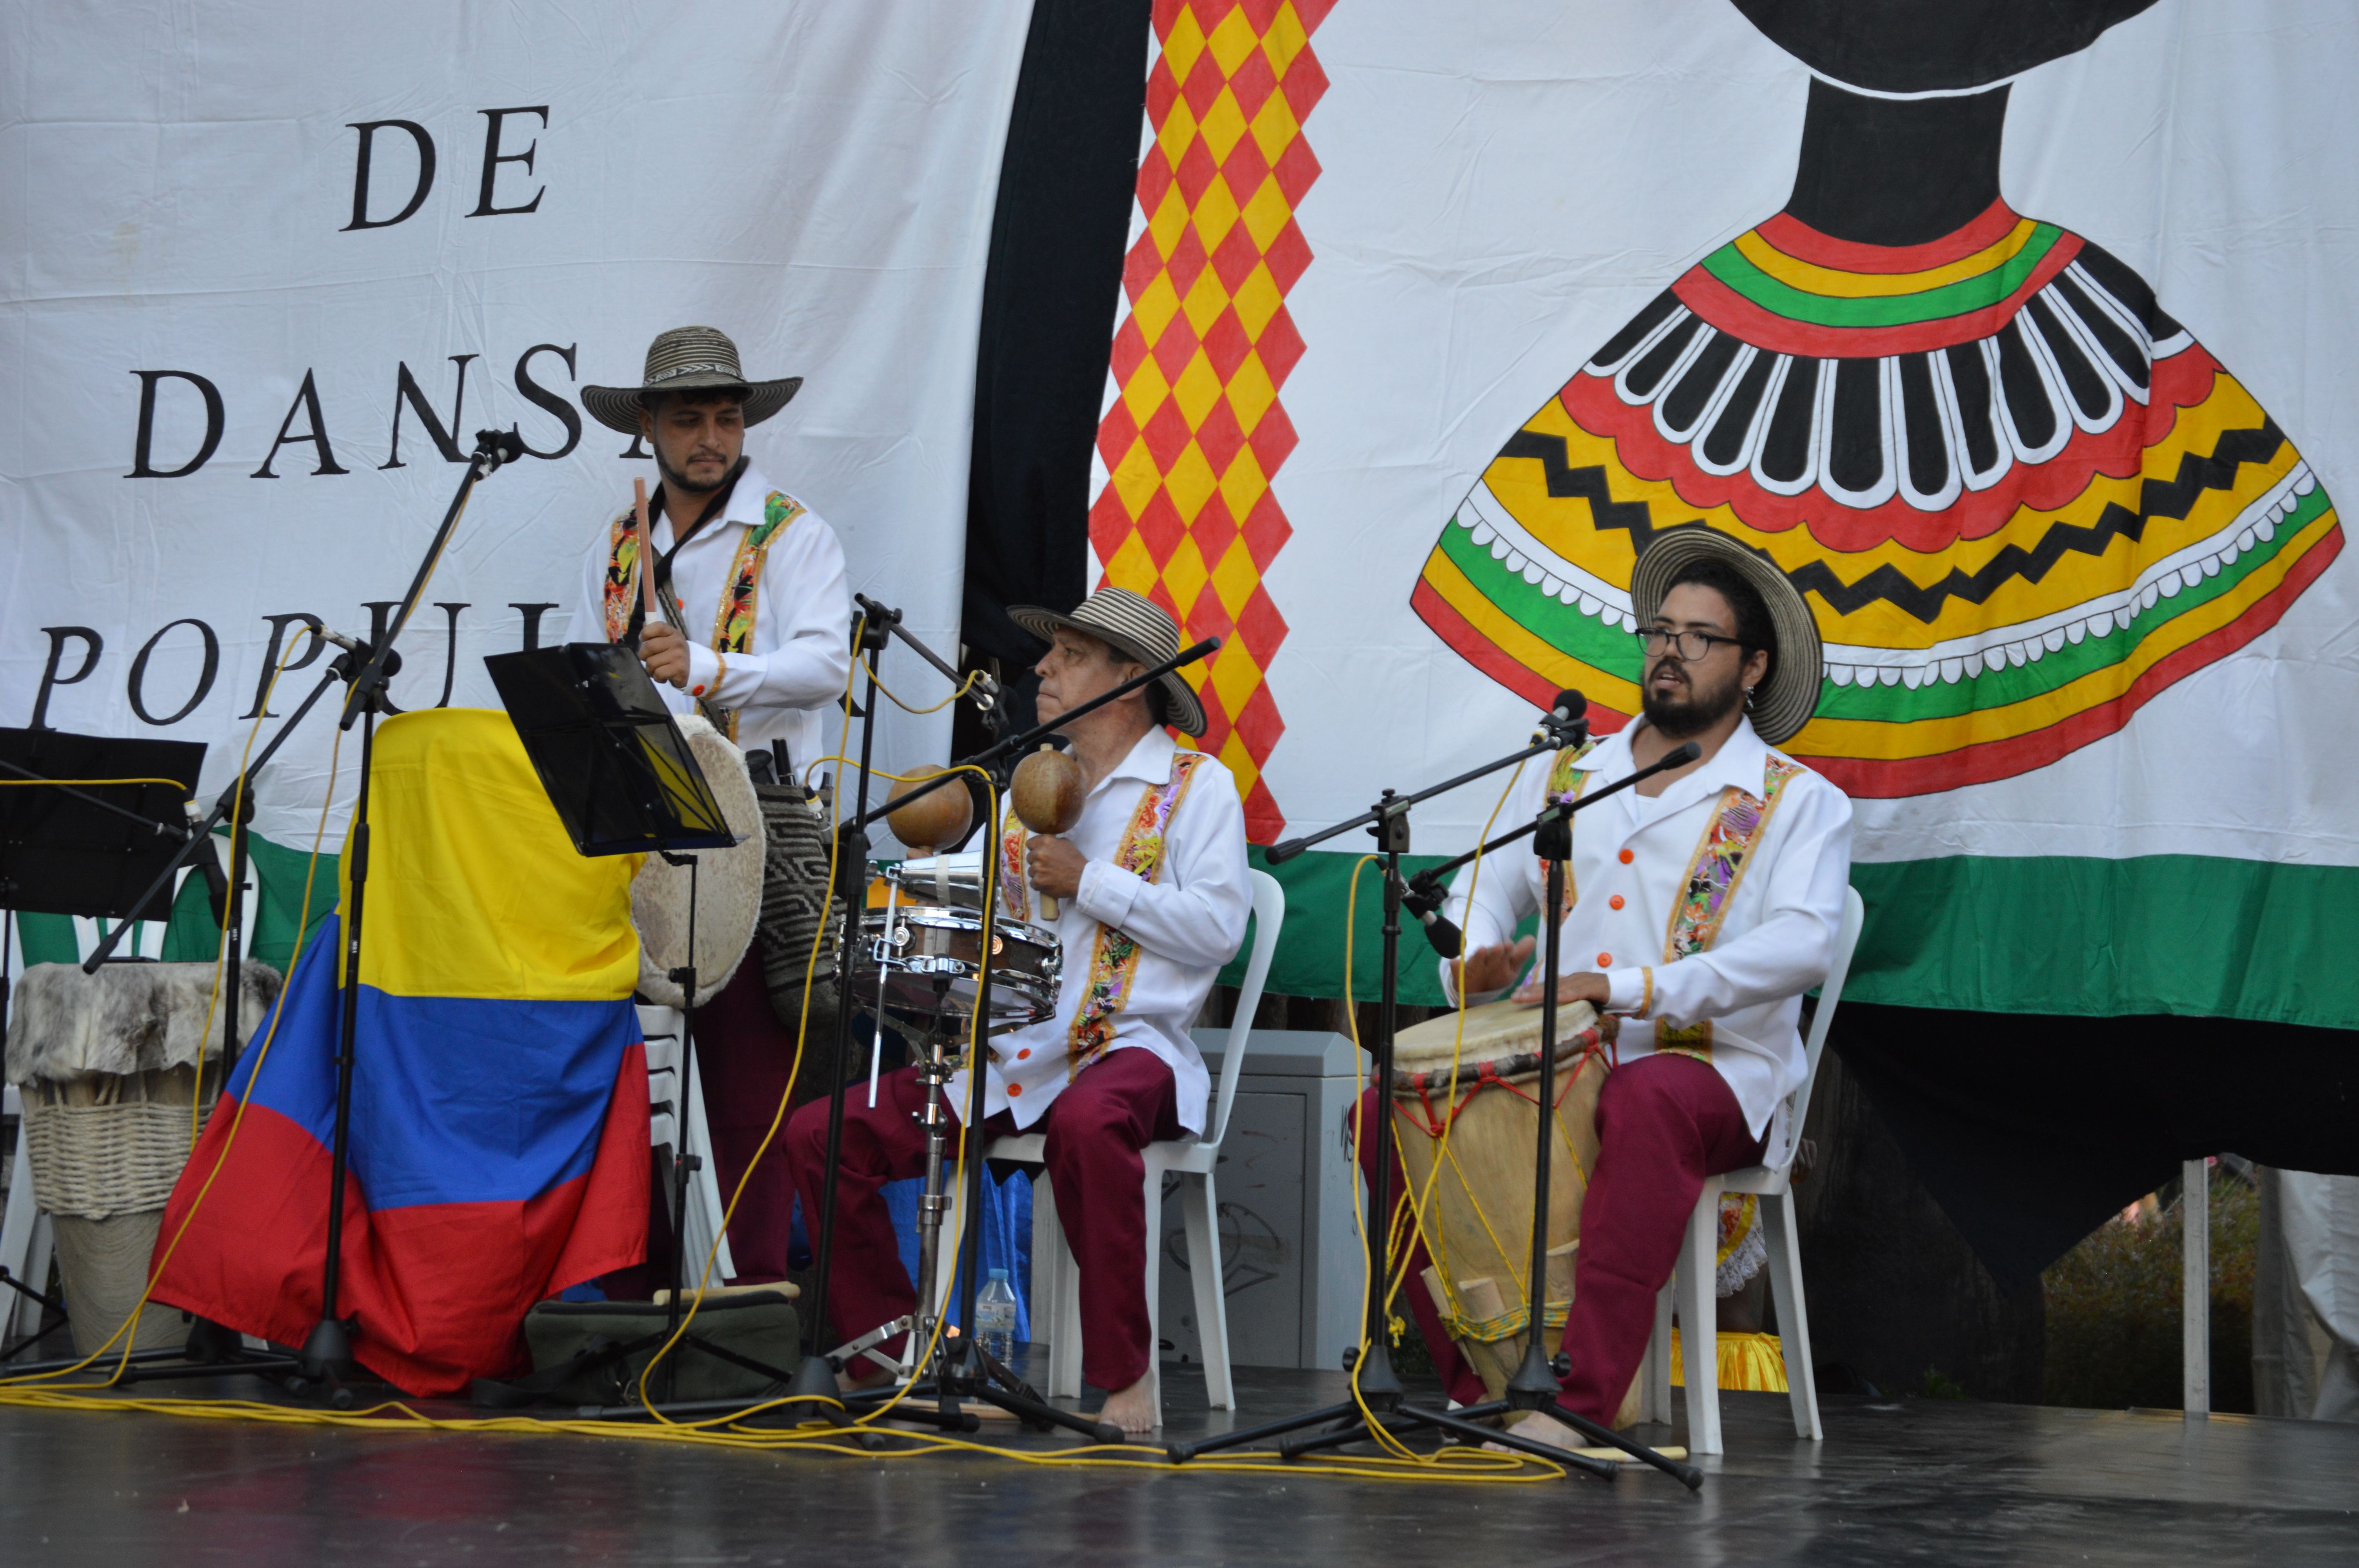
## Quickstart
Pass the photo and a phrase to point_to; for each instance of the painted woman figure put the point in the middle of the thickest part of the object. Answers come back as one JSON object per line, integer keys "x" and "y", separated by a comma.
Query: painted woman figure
{"x": 2019, "y": 497}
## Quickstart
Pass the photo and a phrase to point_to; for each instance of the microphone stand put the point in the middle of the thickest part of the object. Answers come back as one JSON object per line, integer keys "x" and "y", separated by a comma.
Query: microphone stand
{"x": 327, "y": 1348}
{"x": 1377, "y": 1393}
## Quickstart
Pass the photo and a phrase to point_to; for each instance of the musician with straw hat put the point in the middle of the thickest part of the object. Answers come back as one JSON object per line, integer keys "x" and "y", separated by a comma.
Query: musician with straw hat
{"x": 752, "y": 629}
{"x": 1153, "y": 897}
{"x": 754, "y": 608}
{"x": 1701, "y": 906}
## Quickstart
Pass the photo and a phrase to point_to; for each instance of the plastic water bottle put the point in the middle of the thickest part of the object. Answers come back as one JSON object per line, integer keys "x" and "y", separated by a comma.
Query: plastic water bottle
{"x": 994, "y": 1317}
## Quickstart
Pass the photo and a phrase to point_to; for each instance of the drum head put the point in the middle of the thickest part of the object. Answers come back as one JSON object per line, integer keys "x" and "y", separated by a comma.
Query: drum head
{"x": 925, "y": 963}
{"x": 1496, "y": 1031}
{"x": 728, "y": 883}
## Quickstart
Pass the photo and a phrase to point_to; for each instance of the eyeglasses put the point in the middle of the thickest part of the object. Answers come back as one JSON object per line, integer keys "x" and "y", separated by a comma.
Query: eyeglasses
{"x": 1693, "y": 646}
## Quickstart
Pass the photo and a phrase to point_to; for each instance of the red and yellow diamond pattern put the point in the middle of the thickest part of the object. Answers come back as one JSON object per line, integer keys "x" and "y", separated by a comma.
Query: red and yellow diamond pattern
{"x": 1193, "y": 431}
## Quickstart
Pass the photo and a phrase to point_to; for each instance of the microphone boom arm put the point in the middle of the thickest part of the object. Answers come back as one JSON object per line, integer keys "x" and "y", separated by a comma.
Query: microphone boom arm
{"x": 1429, "y": 881}
{"x": 1553, "y": 739}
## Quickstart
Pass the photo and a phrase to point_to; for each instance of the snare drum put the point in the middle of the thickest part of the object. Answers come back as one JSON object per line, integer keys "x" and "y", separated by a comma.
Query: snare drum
{"x": 1478, "y": 1214}
{"x": 921, "y": 949}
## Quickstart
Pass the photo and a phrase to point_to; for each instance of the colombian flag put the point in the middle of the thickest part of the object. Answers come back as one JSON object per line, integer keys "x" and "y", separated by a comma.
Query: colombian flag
{"x": 499, "y": 1122}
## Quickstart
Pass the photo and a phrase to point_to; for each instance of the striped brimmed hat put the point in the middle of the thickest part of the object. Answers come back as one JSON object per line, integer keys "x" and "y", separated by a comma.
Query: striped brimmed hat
{"x": 1785, "y": 701}
{"x": 1132, "y": 625}
{"x": 682, "y": 360}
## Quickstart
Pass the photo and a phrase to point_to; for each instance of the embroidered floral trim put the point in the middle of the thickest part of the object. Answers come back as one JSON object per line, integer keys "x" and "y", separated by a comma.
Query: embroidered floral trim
{"x": 1014, "y": 895}
{"x": 1720, "y": 855}
{"x": 1743, "y": 1249}
{"x": 732, "y": 625}
{"x": 1114, "y": 961}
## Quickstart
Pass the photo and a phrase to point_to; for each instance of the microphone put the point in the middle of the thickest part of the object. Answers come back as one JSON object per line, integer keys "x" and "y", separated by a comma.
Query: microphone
{"x": 349, "y": 645}
{"x": 500, "y": 447}
{"x": 1567, "y": 722}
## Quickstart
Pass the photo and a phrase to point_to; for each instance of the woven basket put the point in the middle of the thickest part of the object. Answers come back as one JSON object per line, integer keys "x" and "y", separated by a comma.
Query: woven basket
{"x": 105, "y": 1170}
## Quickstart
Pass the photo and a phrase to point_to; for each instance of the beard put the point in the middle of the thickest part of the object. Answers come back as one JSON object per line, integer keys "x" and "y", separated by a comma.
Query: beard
{"x": 680, "y": 484}
{"x": 1691, "y": 709}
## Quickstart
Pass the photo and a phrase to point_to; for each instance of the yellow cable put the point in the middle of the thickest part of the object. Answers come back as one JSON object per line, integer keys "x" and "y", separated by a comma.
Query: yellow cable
{"x": 963, "y": 687}
{"x": 91, "y": 784}
{"x": 1463, "y": 1466}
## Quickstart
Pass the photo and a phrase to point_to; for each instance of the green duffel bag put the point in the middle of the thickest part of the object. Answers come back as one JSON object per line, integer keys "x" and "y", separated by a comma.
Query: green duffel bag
{"x": 744, "y": 1342}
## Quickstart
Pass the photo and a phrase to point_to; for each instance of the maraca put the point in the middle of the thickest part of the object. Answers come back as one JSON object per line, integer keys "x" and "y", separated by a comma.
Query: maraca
{"x": 1047, "y": 796}
{"x": 936, "y": 820}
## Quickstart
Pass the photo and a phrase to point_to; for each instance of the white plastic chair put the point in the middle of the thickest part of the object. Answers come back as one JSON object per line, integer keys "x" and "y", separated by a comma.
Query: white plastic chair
{"x": 1691, "y": 1289}
{"x": 1056, "y": 1278}
{"x": 660, "y": 1026}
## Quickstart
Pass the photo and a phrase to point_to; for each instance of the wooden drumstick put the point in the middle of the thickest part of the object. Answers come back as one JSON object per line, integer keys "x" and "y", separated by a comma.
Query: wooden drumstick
{"x": 1048, "y": 794}
{"x": 647, "y": 556}
{"x": 936, "y": 820}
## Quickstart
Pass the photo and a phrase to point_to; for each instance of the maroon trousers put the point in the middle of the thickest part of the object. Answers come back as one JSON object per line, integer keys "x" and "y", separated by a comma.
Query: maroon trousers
{"x": 1663, "y": 1123}
{"x": 743, "y": 1057}
{"x": 1095, "y": 1130}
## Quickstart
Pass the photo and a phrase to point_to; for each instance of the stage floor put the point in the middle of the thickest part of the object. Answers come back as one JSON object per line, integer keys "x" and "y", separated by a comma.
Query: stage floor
{"x": 1896, "y": 1480}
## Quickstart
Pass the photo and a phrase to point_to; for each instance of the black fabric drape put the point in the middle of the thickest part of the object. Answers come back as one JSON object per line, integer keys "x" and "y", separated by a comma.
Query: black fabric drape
{"x": 1066, "y": 185}
{"x": 2030, "y": 1129}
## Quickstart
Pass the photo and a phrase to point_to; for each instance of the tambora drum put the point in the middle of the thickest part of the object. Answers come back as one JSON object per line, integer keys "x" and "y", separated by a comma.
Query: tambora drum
{"x": 1477, "y": 1125}
{"x": 921, "y": 949}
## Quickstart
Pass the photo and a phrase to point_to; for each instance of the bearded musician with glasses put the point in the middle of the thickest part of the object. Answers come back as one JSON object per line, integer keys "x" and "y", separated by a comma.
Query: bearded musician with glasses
{"x": 1701, "y": 905}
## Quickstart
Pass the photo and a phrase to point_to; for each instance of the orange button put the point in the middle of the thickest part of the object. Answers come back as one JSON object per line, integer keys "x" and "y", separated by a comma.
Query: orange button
{"x": 1614, "y": 902}
{"x": 1604, "y": 960}
{"x": 696, "y": 691}
{"x": 1028, "y": 1051}
{"x": 1627, "y": 857}
{"x": 1015, "y": 1089}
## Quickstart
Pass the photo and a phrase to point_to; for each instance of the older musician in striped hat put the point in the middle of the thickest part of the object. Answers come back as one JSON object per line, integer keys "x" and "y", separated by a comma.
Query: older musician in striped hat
{"x": 1701, "y": 905}
{"x": 1154, "y": 896}
{"x": 753, "y": 629}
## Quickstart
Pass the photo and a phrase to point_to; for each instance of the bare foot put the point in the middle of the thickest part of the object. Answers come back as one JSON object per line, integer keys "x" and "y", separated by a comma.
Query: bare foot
{"x": 1538, "y": 1427}
{"x": 1132, "y": 1409}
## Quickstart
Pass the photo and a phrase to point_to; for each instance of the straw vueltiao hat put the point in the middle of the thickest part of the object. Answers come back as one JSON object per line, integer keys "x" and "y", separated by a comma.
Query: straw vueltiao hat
{"x": 1784, "y": 702}
{"x": 1135, "y": 627}
{"x": 682, "y": 360}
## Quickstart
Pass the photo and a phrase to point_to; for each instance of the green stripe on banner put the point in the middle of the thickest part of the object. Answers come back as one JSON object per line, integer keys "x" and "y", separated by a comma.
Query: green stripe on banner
{"x": 1560, "y": 625}
{"x": 1729, "y": 264}
{"x": 2198, "y": 935}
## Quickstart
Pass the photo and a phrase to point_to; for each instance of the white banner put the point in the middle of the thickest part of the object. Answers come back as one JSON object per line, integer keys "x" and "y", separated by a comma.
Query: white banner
{"x": 270, "y": 269}
{"x": 2022, "y": 345}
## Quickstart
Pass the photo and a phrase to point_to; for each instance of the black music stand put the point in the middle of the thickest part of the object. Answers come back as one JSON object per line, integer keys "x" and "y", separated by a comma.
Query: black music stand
{"x": 70, "y": 850}
{"x": 624, "y": 783}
